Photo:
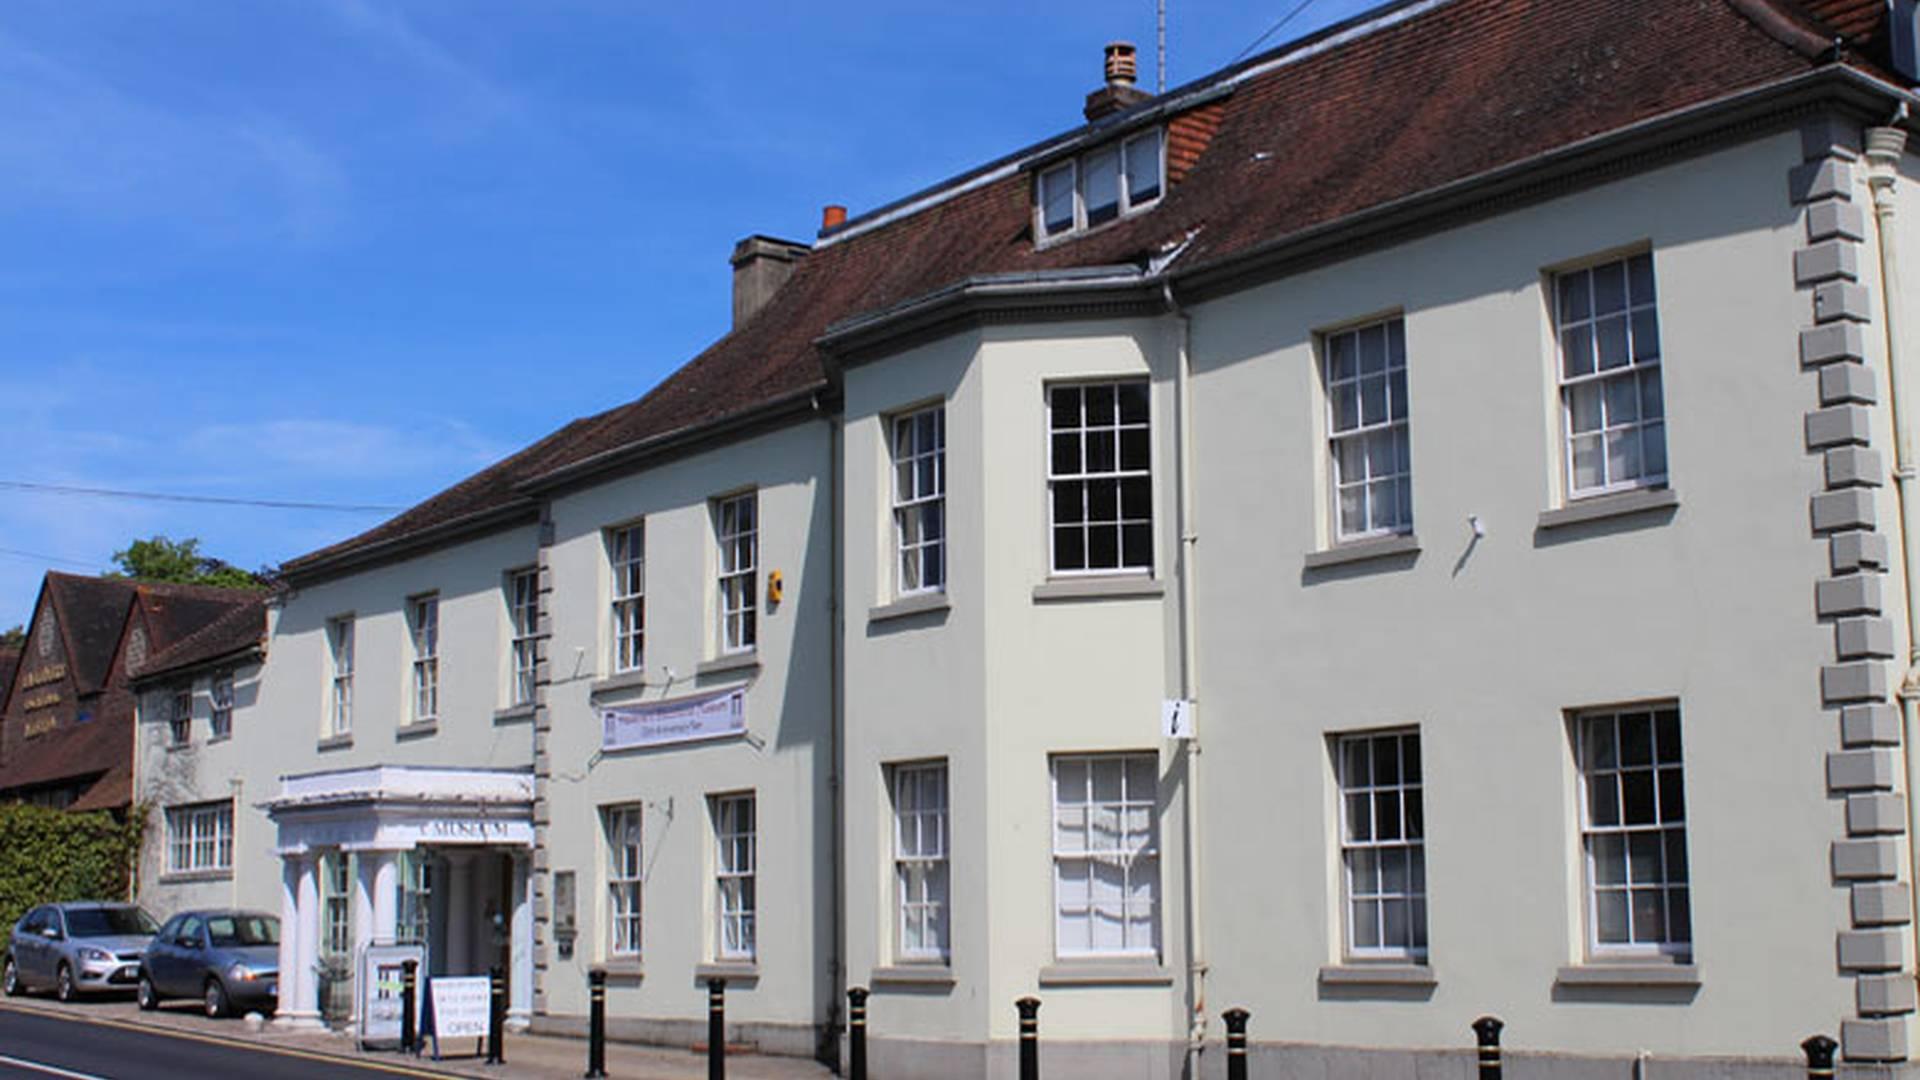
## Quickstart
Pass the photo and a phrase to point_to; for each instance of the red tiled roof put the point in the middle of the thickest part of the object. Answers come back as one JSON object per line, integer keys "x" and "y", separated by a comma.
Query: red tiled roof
{"x": 243, "y": 626}
{"x": 1441, "y": 96}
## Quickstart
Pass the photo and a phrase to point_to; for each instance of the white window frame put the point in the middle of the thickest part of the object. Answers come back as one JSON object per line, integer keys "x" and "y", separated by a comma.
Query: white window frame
{"x": 180, "y": 716}
{"x": 626, "y": 873}
{"x": 737, "y": 574}
{"x": 1368, "y": 458}
{"x": 413, "y": 896}
{"x": 923, "y": 879}
{"x": 1382, "y": 821}
{"x": 919, "y": 449}
{"x": 627, "y": 557}
{"x": 735, "y": 862}
{"x": 335, "y": 871}
{"x": 1577, "y": 335}
{"x": 423, "y": 624}
{"x": 340, "y": 649}
{"x": 523, "y": 622}
{"x": 200, "y": 838}
{"x": 220, "y": 706}
{"x": 1605, "y": 797}
{"x": 1120, "y": 475}
{"x": 1077, "y": 857}
{"x": 1075, "y": 167}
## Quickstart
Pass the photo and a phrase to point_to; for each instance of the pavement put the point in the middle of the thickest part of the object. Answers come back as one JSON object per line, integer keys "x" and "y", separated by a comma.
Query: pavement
{"x": 144, "y": 1039}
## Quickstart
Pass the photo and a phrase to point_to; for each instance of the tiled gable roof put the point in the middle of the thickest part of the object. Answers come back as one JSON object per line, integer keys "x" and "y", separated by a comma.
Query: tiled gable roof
{"x": 1347, "y": 121}
{"x": 244, "y": 626}
{"x": 9, "y": 663}
{"x": 90, "y": 612}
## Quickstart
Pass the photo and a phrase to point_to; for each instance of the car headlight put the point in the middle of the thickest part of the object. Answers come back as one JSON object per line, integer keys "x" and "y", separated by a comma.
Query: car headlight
{"x": 95, "y": 956}
{"x": 242, "y": 972}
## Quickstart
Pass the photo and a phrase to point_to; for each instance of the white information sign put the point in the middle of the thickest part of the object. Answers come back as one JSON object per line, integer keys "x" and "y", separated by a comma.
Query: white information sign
{"x": 381, "y": 999}
{"x": 460, "y": 1007}
{"x": 1176, "y": 718}
{"x": 689, "y": 719}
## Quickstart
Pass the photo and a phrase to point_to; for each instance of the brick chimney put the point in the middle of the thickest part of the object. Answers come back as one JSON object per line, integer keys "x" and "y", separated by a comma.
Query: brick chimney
{"x": 761, "y": 264}
{"x": 1119, "y": 92}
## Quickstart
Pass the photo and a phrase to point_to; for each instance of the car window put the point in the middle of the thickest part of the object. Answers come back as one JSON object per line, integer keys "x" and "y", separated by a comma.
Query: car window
{"x": 229, "y": 931}
{"x": 35, "y": 919}
{"x": 109, "y": 922}
{"x": 170, "y": 927}
{"x": 190, "y": 927}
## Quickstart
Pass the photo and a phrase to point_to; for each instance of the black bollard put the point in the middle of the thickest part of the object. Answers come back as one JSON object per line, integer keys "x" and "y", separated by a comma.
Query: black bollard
{"x": 856, "y": 1033}
{"x": 1487, "y": 1030}
{"x": 1819, "y": 1050}
{"x": 1029, "y": 1037}
{"x": 497, "y": 1017}
{"x": 716, "y": 1029}
{"x": 1236, "y": 1019}
{"x": 596, "y": 1023}
{"x": 409, "y": 983}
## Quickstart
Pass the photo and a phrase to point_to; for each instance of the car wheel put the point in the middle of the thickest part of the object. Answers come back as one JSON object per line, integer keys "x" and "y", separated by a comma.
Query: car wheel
{"x": 63, "y": 983}
{"x": 144, "y": 994}
{"x": 216, "y": 999}
{"x": 10, "y": 982}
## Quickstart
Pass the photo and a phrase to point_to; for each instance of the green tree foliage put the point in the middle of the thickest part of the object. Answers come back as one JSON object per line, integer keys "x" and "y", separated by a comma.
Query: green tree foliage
{"x": 15, "y": 638}
{"x": 47, "y": 856}
{"x": 179, "y": 562}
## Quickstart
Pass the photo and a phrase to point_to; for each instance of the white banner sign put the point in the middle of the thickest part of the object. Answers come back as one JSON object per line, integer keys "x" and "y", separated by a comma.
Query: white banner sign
{"x": 381, "y": 980}
{"x": 713, "y": 716}
{"x": 460, "y": 1006}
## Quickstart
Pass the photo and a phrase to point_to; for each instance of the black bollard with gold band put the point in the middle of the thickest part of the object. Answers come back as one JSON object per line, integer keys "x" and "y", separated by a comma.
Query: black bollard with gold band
{"x": 1029, "y": 1037}
{"x": 596, "y": 1023}
{"x": 716, "y": 1029}
{"x": 409, "y": 986}
{"x": 497, "y": 1017}
{"x": 856, "y": 1033}
{"x": 1236, "y": 1042}
{"x": 1819, "y": 1050}
{"x": 1487, "y": 1030}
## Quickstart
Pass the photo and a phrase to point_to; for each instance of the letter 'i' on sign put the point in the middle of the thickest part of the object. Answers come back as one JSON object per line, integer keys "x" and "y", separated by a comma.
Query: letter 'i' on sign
{"x": 1176, "y": 718}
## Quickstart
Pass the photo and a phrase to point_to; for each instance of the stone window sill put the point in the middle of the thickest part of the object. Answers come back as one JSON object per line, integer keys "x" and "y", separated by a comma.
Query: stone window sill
{"x": 417, "y": 729}
{"x": 187, "y": 877}
{"x": 905, "y": 607}
{"x": 625, "y": 969}
{"x": 743, "y": 663}
{"x": 1651, "y": 974}
{"x": 732, "y": 971}
{"x": 625, "y": 680}
{"x": 1602, "y": 507}
{"x": 1099, "y": 973}
{"x": 334, "y": 742}
{"x": 912, "y": 975}
{"x": 175, "y": 746}
{"x": 1377, "y": 975}
{"x": 1099, "y": 587}
{"x": 1353, "y": 551}
{"x": 513, "y": 714}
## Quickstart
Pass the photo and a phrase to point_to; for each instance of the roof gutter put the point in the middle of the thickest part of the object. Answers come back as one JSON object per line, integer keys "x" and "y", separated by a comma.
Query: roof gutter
{"x": 244, "y": 654}
{"x": 632, "y": 455}
{"x": 1546, "y": 175}
{"x": 319, "y": 568}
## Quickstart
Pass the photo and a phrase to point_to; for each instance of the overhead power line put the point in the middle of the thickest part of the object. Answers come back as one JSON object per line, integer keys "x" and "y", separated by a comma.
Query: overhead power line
{"x": 1272, "y": 30}
{"x": 35, "y": 556}
{"x": 216, "y": 500}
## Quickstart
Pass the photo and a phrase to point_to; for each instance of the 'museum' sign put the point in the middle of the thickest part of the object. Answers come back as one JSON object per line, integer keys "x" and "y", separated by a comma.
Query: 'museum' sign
{"x": 711, "y": 716}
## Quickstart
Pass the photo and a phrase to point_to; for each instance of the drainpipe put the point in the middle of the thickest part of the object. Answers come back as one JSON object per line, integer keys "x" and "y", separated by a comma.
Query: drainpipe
{"x": 1885, "y": 145}
{"x": 836, "y": 724}
{"x": 1183, "y": 480}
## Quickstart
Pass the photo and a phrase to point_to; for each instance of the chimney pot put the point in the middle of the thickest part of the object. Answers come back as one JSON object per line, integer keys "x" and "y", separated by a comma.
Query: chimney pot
{"x": 1120, "y": 63}
{"x": 832, "y": 216}
{"x": 1118, "y": 92}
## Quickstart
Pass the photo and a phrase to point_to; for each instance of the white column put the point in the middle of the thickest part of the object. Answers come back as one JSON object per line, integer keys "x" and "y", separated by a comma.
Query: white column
{"x": 363, "y": 865}
{"x": 520, "y": 976}
{"x": 299, "y": 943}
{"x": 386, "y": 911}
{"x": 459, "y": 929}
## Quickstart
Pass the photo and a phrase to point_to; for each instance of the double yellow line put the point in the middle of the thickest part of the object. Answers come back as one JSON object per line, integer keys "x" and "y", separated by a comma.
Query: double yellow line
{"x": 220, "y": 1040}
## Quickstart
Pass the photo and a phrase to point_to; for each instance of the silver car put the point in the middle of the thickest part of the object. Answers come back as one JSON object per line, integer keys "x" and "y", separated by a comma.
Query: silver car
{"x": 77, "y": 948}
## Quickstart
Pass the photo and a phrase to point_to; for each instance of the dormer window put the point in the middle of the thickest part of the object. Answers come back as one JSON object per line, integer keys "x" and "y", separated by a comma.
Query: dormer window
{"x": 1102, "y": 184}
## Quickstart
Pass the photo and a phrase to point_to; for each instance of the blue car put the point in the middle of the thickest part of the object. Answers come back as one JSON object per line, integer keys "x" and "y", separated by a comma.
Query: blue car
{"x": 228, "y": 959}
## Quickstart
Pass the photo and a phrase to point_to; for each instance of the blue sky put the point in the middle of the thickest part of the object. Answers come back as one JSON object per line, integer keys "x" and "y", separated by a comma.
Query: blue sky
{"x": 351, "y": 251}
